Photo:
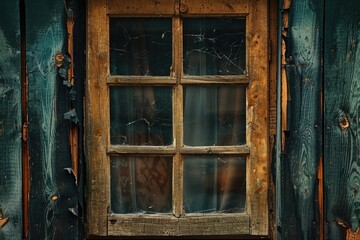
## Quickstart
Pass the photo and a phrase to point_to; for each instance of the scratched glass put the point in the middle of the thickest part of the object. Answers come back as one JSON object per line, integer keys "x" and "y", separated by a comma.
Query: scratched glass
{"x": 141, "y": 116}
{"x": 214, "y": 46}
{"x": 214, "y": 184}
{"x": 140, "y": 46}
{"x": 141, "y": 184}
{"x": 214, "y": 115}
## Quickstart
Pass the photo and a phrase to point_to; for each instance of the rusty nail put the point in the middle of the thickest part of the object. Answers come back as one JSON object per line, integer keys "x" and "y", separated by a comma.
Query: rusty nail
{"x": 183, "y": 8}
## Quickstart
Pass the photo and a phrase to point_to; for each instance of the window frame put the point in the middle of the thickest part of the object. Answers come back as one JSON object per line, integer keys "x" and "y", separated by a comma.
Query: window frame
{"x": 100, "y": 221}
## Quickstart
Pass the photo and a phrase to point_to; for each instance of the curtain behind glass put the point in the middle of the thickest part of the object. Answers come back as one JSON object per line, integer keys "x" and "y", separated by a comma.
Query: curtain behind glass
{"x": 214, "y": 116}
{"x": 140, "y": 116}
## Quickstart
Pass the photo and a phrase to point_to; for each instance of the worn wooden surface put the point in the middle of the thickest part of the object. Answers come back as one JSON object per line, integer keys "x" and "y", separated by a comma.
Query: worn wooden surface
{"x": 342, "y": 122}
{"x": 257, "y": 115}
{"x": 145, "y": 7}
{"x": 10, "y": 122}
{"x": 300, "y": 212}
{"x": 172, "y": 226}
{"x": 97, "y": 108}
{"x": 97, "y": 118}
{"x": 53, "y": 195}
{"x": 204, "y": 7}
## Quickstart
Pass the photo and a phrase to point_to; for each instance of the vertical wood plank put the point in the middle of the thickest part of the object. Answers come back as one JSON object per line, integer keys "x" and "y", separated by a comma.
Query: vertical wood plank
{"x": 258, "y": 116}
{"x": 300, "y": 211}
{"x": 342, "y": 121}
{"x": 53, "y": 193}
{"x": 97, "y": 118}
{"x": 10, "y": 122}
{"x": 273, "y": 19}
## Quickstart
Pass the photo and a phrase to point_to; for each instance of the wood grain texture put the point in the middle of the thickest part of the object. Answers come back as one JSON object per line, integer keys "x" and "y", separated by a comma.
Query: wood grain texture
{"x": 143, "y": 7}
{"x": 300, "y": 213}
{"x": 342, "y": 122}
{"x": 97, "y": 118}
{"x": 258, "y": 116}
{"x": 53, "y": 192}
{"x": 216, "y": 7}
{"x": 171, "y": 226}
{"x": 10, "y": 122}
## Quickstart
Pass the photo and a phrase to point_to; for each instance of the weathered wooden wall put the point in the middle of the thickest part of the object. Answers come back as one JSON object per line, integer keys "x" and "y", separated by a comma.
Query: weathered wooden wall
{"x": 323, "y": 62}
{"x": 10, "y": 122}
{"x": 342, "y": 117}
{"x": 53, "y": 204}
{"x": 302, "y": 153}
{"x": 322, "y": 102}
{"x": 55, "y": 198}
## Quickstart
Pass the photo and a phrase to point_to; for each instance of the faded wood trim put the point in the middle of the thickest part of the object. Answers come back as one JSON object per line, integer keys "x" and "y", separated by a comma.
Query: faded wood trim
{"x": 178, "y": 126}
{"x": 223, "y": 150}
{"x": 141, "y": 7}
{"x": 273, "y": 48}
{"x": 140, "y": 80}
{"x": 215, "y": 79}
{"x": 162, "y": 225}
{"x": 257, "y": 116}
{"x": 149, "y": 150}
{"x": 97, "y": 118}
{"x": 214, "y": 7}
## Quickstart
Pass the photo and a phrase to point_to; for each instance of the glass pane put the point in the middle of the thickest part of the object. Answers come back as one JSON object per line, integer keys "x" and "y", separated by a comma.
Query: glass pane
{"x": 140, "y": 46}
{"x": 214, "y": 46}
{"x": 214, "y": 184}
{"x": 214, "y": 115}
{"x": 141, "y": 184}
{"x": 141, "y": 116}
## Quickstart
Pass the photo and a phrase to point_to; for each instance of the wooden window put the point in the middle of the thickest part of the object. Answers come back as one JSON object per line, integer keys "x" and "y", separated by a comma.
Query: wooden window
{"x": 177, "y": 117}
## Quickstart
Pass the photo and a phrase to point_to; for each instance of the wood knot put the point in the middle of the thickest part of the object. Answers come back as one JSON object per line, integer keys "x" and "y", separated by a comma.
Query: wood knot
{"x": 343, "y": 121}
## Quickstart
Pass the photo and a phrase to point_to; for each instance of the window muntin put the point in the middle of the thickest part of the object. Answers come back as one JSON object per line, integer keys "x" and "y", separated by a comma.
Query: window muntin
{"x": 213, "y": 115}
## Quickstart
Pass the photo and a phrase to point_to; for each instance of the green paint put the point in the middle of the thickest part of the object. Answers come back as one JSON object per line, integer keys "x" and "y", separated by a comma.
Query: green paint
{"x": 302, "y": 144}
{"x": 48, "y": 130}
{"x": 10, "y": 121}
{"x": 342, "y": 100}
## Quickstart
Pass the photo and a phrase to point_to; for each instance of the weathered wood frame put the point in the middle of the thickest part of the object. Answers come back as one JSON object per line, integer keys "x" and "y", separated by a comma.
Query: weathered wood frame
{"x": 100, "y": 222}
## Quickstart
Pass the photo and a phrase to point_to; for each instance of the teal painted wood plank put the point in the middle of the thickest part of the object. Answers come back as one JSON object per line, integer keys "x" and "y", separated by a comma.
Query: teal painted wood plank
{"x": 53, "y": 192}
{"x": 10, "y": 120}
{"x": 342, "y": 117}
{"x": 300, "y": 213}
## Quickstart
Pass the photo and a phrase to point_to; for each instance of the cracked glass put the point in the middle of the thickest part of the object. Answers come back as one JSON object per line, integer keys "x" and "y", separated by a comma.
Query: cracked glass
{"x": 140, "y": 46}
{"x": 214, "y": 46}
{"x": 141, "y": 116}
